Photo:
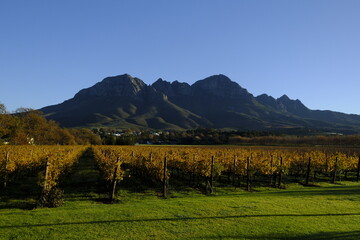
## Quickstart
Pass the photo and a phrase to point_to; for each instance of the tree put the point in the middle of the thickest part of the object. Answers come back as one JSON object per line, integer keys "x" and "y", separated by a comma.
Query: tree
{"x": 7, "y": 123}
{"x": 85, "y": 136}
{"x": 29, "y": 126}
{"x": 2, "y": 109}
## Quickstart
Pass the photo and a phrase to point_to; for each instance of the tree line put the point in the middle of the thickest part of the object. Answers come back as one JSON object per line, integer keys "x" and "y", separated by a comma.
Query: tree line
{"x": 27, "y": 127}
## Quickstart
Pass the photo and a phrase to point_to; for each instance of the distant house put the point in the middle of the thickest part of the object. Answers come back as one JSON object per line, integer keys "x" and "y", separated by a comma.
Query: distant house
{"x": 31, "y": 141}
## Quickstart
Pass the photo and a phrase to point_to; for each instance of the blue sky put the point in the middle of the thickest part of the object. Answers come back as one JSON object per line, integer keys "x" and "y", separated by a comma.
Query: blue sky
{"x": 307, "y": 49}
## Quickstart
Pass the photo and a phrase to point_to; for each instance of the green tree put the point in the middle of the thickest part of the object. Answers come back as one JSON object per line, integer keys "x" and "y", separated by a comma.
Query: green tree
{"x": 85, "y": 136}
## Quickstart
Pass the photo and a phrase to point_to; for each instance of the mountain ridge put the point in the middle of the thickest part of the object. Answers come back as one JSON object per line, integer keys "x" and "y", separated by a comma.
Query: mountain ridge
{"x": 124, "y": 101}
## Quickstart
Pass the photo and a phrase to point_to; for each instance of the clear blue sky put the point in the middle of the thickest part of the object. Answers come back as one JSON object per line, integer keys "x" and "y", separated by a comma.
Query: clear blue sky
{"x": 307, "y": 49}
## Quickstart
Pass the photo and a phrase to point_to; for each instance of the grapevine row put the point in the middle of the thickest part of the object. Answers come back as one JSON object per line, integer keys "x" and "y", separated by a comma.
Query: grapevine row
{"x": 209, "y": 162}
{"x": 48, "y": 162}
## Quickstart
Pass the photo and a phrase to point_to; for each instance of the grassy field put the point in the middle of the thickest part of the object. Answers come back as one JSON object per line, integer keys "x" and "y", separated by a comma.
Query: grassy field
{"x": 326, "y": 211}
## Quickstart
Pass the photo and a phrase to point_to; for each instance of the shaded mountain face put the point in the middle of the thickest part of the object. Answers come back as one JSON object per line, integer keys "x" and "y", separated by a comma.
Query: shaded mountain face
{"x": 218, "y": 99}
{"x": 284, "y": 104}
{"x": 122, "y": 102}
{"x": 123, "y": 85}
{"x": 218, "y": 85}
{"x": 217, "y": 102}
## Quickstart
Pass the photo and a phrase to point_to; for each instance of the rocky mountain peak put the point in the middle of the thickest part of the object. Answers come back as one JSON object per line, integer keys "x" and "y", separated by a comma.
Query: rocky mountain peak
{"x": 215, "y": 81}
{"x": 163, "y": 86}
{"x": 160, "y": 84}
{"x": 265, "y": 97}
{"x": 284, "y": 98}
{"x": 160, "y": 81}
{"x": 267, "y": 100}
{"x": 293, "y": 106}
{"x": 221, "y": 85}
{"x": 181, "y": 88}
{"x": 172, "y": 89}
{"x": 122, "y": 85}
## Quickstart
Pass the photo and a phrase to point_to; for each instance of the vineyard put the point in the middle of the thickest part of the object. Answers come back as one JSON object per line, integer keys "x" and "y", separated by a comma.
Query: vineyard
{"x": 199, "y": 167}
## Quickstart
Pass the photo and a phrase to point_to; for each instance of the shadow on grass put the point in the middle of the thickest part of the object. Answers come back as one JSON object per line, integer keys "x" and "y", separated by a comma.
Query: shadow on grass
{"x": 322, "y": 191}
{"x": 17, "y": 204}
{"x": 84, "y": 180}
{"x": 315, "y": 236}
{"x": 180, "y": 219}
{"x": 351, "y": 192}
{"x": 21, "y": 193}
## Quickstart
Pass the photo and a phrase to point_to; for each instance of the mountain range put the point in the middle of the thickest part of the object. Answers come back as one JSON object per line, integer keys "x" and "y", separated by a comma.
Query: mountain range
{"x": 215, "y": 102}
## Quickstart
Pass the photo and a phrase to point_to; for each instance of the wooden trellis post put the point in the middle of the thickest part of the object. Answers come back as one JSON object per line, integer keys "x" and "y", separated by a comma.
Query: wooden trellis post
{"x": 248, "y": 186}
{"x": 165, "y": 176}
{"x": 113, "y": 191}
{"x": 358, "y": 171}
{"x": 308, "y": 172}
{"x": 6, "y": 173}
{"x": 211, "y": 174}
{"x": 280, "y": 172}
{"x": 47, "y": 173}
{"x": 234, "y": 167}
{"x": 335, "y": 170}
{"x": 271, "y": 170}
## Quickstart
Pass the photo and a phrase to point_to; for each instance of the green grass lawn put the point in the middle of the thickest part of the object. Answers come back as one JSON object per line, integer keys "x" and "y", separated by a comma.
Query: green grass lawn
{"x": 325, "y": 212}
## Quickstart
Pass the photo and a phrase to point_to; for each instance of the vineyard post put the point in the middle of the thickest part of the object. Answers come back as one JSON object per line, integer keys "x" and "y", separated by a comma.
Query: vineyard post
{"x": 234, "y": 173}
{"x": 271, "y": 169}
{"x": 6, "y": 173}
{"x": 164, "y": 180}
{"x": 346, "y": 171}
{"x": 280, "y": 172}
{"x": 47, "y": 169}
{"x": 326, "y": 163}
{"x": 308, "y": 172}
{"x": 112, "y": 197}
{"x": 192, "y": 174}
{"x": 211, "y": 174}
{"x": 358, "y": 171}
{"x": 248, "y": 174}
{"x": 335, "y": 170}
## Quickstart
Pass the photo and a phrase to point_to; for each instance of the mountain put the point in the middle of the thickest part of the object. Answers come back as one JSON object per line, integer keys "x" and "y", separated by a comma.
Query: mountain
{"x": 214, "y": 102}
{"x": 124, "y": 102}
